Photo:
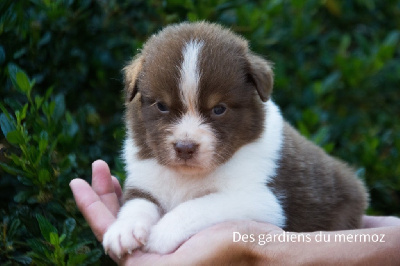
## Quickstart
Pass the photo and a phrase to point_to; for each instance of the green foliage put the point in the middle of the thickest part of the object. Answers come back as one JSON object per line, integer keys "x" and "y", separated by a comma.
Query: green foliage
{"x": 40, "y": 158}
{"x": 337, "y": 76}
{"x": 62, "y": 249}
{"x": 35, "y": 131}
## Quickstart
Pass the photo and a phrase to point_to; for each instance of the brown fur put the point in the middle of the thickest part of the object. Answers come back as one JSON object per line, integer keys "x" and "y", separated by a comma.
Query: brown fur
{"x": 318, "y": 192}
{"x": 133, "y": 193}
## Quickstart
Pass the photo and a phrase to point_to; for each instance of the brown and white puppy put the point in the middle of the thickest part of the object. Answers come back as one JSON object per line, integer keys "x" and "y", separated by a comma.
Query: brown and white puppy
{"x": 206, "y": 144}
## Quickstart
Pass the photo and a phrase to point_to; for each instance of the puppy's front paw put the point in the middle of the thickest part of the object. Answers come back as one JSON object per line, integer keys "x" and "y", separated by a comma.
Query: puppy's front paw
{"x": 166, "y": 236}
{"x": 124, "y": 236}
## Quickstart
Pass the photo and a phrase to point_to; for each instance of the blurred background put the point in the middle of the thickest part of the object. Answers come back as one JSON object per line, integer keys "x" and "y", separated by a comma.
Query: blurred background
{"x": 337, "y": 80}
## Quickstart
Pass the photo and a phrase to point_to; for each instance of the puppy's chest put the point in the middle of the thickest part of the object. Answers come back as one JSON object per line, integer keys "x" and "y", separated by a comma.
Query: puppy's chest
{"x": 241, "y": 175}
{"x": 178, "y": 190}
{"x": 168, "y": 187}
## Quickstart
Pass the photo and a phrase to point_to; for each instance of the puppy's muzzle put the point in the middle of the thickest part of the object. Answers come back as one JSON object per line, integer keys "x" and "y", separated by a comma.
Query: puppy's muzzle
{"x": 185, "y": 149}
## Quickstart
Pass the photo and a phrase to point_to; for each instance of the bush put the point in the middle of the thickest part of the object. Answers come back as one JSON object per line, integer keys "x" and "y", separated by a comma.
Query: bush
{"x": 337, "y": 75}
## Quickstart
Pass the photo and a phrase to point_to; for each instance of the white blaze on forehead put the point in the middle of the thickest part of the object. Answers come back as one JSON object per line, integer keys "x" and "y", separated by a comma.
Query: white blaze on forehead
{"x": 190, "y": 74}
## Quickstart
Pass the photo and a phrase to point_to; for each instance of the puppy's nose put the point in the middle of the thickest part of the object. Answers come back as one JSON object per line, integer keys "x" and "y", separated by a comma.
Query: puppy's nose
{"x": 185, "y": 150}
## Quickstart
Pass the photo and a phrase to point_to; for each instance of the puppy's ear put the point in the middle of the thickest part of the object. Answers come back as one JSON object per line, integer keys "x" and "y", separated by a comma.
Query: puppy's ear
{"x": 261, "y": 75}
{"x": 131, "y": 73}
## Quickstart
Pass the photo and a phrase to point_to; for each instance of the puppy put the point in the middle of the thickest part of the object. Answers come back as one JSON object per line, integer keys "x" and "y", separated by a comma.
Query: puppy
{"x": 206, "y": 144}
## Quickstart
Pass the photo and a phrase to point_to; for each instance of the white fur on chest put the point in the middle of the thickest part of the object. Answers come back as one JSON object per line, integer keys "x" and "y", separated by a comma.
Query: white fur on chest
{"x": 242, "y": 178}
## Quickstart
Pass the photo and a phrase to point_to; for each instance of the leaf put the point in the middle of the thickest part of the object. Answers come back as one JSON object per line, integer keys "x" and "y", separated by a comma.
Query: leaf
{"x": 52, "y": 107}
{"x": 44, "y": 176}
{"x": 14, "y": 226}
{"x": 48, "y": 108}
{"x": 329, "y": 147}
{"x": 46, "y": 228}
{"x": 19, "y": 79}
{"x": 62, "y": 238}
{"x": 331, "y": 81}
{"x": 20, "y": 52}
{"x": 72, "y": 129}
{"x": 192, "y": 16}
{"x": 23, "y": 82}
{"x": 59, "y": 109}
{"x": 69, "y": 226}
{"x": 37, "y": 246}
{"x": 77, "y": 259}
{"x": 7, "y": 124}
{"x": 13, "y": 103}
{"x": 11, "y": 170}
{"x": 93, "y": 256}
{"x": 5, "y": 111}
{"x": 2, "y": 55}
{"x": 77, "y": 247}
{"x": 54, "y": 239}
{"x": 333, "y": 7}
{"x": 25, "y": 181}
{"x": 303, "y": 129}
{"x": 24, "y": 110}
{"x": 43, "y": 141}
{"x": 38, "y": 101}
{"x": 15, "y": 137}
{"x": 321, "y": 136}
{"x": 361, "y": 173}
{"x": 23, "y": 259}
{"x": 392, "y": 38}
{"x": 22, "y": 196}
{"x": 45, "y": 39}
{"x": 18, "y": 116}
{"x": 49, "y": 92}
{"x": 344, "y": 44}
{"x": 12, "y": 70}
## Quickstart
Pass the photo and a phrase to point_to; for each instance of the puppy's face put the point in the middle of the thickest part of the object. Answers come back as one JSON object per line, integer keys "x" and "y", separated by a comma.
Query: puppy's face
{"x": 194, "y": 97}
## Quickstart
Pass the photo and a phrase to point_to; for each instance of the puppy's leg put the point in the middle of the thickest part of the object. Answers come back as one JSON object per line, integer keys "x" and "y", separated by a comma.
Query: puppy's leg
{"x": 131, "y": 229}
{"x": 192, "y": 216}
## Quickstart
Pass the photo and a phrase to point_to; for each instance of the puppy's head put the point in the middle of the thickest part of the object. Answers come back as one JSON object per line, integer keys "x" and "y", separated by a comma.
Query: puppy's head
{"x": 194, "y": 96}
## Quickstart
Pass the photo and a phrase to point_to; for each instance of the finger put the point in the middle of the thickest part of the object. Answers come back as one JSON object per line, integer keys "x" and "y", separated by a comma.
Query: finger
{"x": 98, "y": 216}
{"x": 103, "y": 185}
{"x": 379, "y": 221}
{"x": 117, "y": 188}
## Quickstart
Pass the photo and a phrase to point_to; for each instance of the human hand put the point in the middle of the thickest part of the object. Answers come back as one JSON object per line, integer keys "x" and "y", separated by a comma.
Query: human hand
{"x": 100, "y": 203}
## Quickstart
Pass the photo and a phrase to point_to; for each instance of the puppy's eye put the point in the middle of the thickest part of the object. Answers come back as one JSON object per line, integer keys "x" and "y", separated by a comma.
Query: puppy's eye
{"x": 162, "y": 107}
{"x": 219, "y": 109}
